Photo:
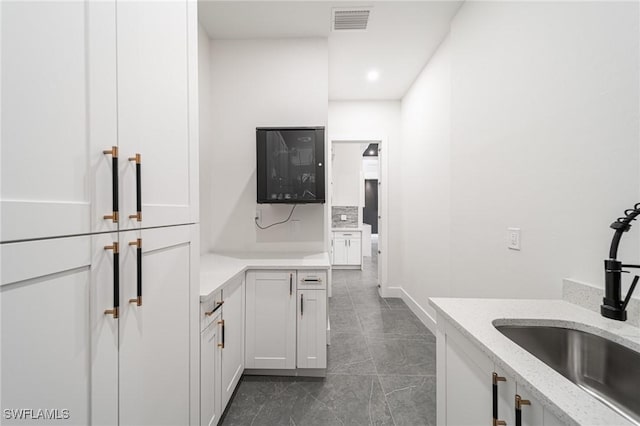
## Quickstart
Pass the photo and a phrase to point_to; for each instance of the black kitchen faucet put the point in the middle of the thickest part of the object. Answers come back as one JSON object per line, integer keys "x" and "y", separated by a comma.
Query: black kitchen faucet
{"x": 612, "y": 304}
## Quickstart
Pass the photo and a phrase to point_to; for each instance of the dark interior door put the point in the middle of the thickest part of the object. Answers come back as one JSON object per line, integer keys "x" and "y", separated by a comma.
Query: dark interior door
{"x": 370, "y": 211}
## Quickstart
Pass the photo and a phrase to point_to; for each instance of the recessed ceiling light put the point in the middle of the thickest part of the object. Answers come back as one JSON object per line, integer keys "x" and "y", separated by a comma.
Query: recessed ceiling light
{"x": 373, "y": 75}
{"x": 372, "y": 152}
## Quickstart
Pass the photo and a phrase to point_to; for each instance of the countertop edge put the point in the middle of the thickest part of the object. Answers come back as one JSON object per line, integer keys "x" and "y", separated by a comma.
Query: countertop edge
{"x": 236, "y": 267}
{"x": 564, "y": 412}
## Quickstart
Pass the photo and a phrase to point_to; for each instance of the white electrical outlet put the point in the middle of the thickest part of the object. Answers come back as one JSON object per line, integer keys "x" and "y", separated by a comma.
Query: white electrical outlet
{"x": 295, "y": 226}
{"x": 343, "y": 217}
{"x": 513, "y": 238}
{"x": 258, "y": 217}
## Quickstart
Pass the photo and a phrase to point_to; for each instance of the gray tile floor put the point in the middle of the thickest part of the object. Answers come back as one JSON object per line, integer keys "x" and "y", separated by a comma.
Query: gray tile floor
{"x": 381, "y": 367}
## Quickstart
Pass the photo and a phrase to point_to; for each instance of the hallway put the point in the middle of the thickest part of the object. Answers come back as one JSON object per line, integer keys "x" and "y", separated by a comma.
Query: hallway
{"x": 381, "y": 367}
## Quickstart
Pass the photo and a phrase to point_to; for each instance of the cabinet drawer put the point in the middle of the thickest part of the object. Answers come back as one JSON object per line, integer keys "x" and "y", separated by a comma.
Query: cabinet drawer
{"x": 312, "y": 280}
{"x": 355, "y": 235}
{"x": 207, "y": 308}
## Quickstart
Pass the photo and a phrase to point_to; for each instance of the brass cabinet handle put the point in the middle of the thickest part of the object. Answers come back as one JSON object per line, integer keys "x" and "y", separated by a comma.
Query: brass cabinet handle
{"x": 116, "y": 280}
{"x": 113, "y": 152}
{"x": 221, "y": 345}
{"x": 138, "y": 215}
{"x": 494, "y": 384}
{"x": 211, "y": 312}
{"x": 138, "y": 244}
{"x": 519, "y": 403}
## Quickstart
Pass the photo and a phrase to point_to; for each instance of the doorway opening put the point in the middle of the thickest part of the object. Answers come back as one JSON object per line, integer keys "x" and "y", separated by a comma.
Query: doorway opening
{"x": 356, "y": 203}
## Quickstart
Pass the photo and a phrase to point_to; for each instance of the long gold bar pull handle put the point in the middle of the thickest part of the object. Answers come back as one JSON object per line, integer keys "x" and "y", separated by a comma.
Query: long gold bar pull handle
{"x": 116, "y": 280}
{"x": 221, "y": 345}
{"x": 519, "y": 403}
{"x": 113, "y": 152}
{"x": 494, "y": 384}
{"x": 138, "y": 215}
{"x": 138, "y": 244}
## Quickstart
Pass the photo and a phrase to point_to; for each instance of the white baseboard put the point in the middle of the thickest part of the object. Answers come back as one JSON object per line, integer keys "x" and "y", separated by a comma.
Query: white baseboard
{"x": 424, "y": 316}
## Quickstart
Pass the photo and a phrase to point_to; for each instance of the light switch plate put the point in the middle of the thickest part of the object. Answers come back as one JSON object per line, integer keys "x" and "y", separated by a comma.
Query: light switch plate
{"x": 343, "y": 217}
{"x": 513, "y": 238}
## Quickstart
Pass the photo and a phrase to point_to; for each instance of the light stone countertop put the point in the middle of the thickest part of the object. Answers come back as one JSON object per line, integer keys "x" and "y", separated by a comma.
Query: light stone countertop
{"x": 475, "y": 319}
{"x": 358, "y": 229}
{"x": 216, "y": 269}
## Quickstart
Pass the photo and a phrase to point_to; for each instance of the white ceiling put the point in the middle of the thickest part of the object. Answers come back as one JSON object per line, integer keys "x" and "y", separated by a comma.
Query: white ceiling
{"x": 401, "y": 37}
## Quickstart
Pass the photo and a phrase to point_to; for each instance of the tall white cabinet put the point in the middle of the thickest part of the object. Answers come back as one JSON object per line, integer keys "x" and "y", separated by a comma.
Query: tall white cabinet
{"x": 99, "y": 304}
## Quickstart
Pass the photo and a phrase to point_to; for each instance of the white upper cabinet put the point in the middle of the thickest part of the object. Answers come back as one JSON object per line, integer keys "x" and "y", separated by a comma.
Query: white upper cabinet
{"x": 79, "y": 78}
{"x": 157, "y": 111}
{"x": 58, "y": 115}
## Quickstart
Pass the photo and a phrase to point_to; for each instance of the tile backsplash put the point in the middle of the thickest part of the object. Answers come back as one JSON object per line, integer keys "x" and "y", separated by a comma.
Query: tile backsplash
{"x": 352, "y": 216}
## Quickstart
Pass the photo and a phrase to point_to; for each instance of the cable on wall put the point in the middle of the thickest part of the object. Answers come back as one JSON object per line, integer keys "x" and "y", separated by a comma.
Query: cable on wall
{"x": 277, "y": 223}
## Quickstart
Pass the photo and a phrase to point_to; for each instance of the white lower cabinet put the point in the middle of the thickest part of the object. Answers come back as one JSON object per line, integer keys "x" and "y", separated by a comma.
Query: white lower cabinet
{"x": 221, "y": 350}
{"x": 271, "y": 320}
{"x": 346, "y": 248}
{"x": 312, "y": 326}
{"x": 154, "y": 374}
{"x": 233, "y": 338}
{"x": 78, "y": 335}
{"x": 472, "y": 390}
{"x": 210, "y": 377}
{"x": 286, "y": 326}
{"x": 57, "y": 345}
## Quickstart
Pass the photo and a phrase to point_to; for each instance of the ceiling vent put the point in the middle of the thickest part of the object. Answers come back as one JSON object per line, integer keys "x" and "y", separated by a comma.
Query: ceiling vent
{"x": 350, "y": 19}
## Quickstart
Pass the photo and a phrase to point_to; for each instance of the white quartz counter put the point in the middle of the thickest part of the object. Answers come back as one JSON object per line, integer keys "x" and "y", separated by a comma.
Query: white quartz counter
{"x": 216, "y": 269}
{"x": 358, "y": 229}
{"x": 475, "y": 319}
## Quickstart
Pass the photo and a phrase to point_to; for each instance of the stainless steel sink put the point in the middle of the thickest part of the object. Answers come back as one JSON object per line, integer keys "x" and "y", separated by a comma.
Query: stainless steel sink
{"x": 605, "y": 369}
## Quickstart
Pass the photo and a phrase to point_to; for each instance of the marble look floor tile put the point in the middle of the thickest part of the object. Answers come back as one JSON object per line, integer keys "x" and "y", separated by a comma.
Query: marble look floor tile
{"x": 355, "y": 400}
{"x": 340, "y": 291}
{"x": 349, "y": 354}
{"x": 340, "y": 302}
{"x": 403, "y": 356}
{"x": 391, "y": 323}
{"x": 412, "y": 400}
{"x": 344, "y": 321}
{"x": 250, "y": 396}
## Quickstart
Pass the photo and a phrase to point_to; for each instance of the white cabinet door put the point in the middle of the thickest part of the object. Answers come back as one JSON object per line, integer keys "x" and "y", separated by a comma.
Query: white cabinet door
{"x": 271, "y": 319}
{"x": 354, "y": 247}
{"x": 210, "y": 384}
{"x": 155, "y": 335}
{"x": 58, "y": 115}
{"x": 468, "y": 388}
{"x": 312, "y": 329}
{"x": 340, "y": 251}
{"x": 233, "y": 349}
{"x": 157, "y": 110}
{"x": 58, "y": 348}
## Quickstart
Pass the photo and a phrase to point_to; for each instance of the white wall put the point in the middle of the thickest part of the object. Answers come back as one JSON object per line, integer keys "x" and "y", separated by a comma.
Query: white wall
{"x": 369, "y": 120}
{"x": 206, "y": 173}
{"x": 426, "y": 189}
{"x": 260, "y": 83}
{"x": 346, "y": 172}
{"x": 541, "y": 105}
